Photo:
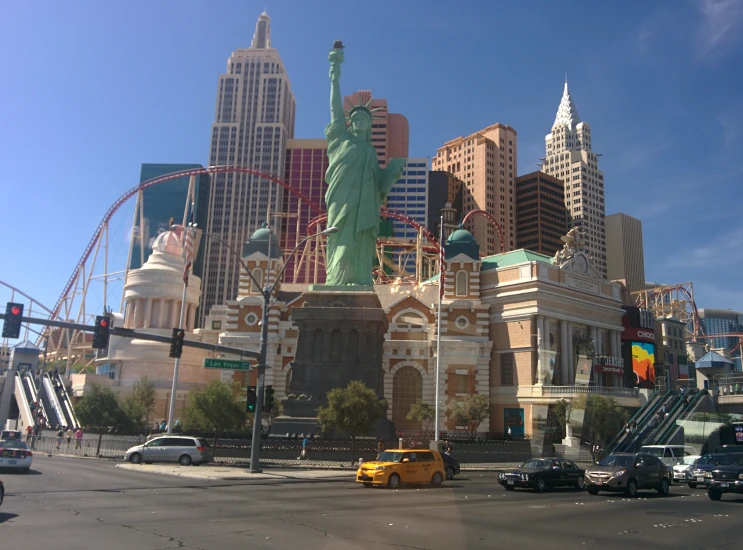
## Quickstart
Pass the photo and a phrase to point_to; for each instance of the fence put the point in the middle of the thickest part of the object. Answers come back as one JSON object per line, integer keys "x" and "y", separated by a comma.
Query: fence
{"x": 111, "y": 446}
{"x": 595, "y": 390}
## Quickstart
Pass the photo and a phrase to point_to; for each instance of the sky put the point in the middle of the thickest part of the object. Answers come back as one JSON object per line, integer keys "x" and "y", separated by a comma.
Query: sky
{"x": 91, "y": 90}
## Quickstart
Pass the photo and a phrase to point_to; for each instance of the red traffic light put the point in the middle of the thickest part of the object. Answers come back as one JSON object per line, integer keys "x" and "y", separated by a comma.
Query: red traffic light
{"x": 15, "y": 310}
{"x": 103, "y": 323}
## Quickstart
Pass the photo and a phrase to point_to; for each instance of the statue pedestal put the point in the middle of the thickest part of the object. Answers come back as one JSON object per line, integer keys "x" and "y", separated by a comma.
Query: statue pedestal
{"x": 341, "y": 338}
{"x": 569, "y": 440}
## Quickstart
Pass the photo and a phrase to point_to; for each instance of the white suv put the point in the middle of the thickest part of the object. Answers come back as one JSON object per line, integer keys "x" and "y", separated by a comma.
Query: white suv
{"x": 669, "y": 454}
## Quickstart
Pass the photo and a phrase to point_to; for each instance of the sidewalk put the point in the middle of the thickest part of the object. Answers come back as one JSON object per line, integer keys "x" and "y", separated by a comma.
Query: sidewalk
{"x": 239, "y": 473}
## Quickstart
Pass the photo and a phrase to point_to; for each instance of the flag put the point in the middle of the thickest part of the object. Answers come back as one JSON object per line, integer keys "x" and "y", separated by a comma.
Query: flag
{"x": 442, "y": 258}
{"x": 188, "y": 235}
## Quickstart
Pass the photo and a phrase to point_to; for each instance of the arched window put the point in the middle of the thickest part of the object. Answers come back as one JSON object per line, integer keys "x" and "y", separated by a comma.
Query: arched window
{"x": 407, "y": 388}
{"x": 257, "y": 276}
{"x": 461, "y": 284}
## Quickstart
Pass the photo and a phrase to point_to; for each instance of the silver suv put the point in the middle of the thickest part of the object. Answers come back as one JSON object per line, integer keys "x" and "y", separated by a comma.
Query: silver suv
{"x": 181, "y": 449}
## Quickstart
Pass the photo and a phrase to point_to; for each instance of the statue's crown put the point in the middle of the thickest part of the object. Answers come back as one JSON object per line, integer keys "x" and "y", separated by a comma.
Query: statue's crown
{"x": 361, "y": 106}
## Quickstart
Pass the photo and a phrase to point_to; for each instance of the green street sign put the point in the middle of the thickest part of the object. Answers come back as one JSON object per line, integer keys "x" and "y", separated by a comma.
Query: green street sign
{"x": 225, "y": 364}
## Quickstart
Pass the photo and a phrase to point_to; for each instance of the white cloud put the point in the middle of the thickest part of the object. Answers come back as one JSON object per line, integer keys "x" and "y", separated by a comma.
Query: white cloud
{"x": 719, "y": 25}
{"x": 724, "y": 251}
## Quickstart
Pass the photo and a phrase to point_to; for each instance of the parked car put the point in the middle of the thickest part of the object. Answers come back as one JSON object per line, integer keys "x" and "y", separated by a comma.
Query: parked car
{"x": 726, "y": 477}
{"x": 542, "y": 473}
{"x": 697, "y": 475}
{"x": 183, "y": 450}
{"x": 394, "y": 467}
{"x": 451, "y": 465}
{"x": 15, "y": 454}
{"x": 669, "y": 454}
{"x": 627, "y": 473}
{"x": 680, "y": 470}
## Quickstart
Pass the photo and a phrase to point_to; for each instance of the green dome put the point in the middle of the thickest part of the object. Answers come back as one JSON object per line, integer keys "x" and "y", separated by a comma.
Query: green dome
{"x": 262, "y": 234}
{"x": 259, "y": 241}
{"x": 461, "y": 242}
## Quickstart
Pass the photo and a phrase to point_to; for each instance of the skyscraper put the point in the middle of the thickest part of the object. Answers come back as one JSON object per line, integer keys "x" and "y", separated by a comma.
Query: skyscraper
{"x": 390, "y": 131}
{"x": 541, "y": 219}
{"x": 486, "y": 164}
{"x": 254, "y": 118}
{"x": 409, "y": 197}
{"x": 570, "y": 158}
{"x": 625, "y": 259}
{"x": 164, "y": 201}
{"x": 722, "y": 321}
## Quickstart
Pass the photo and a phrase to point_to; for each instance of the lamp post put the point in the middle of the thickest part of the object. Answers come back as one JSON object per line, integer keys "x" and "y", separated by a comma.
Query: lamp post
{"x": 266, "y": 293}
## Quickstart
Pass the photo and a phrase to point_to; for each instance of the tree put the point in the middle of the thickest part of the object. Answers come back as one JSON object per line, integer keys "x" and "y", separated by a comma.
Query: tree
{"x": 217, "y": 408}
{"x": 422, "y": 412}
{"x": 100, "y": 411}
{"x": 139, "y": 403}
{"x": 563, "y": 408}
{"x": 352, "y": 410}
{"x": 471, "y": 411}
{"x": 603, "y": 419}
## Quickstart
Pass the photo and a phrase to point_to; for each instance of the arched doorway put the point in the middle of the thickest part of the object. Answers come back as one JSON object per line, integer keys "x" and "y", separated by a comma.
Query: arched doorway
{"x": 407, "y": 388}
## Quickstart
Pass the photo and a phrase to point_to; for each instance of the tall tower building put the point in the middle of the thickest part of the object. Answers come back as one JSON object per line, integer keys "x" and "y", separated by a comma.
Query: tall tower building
{"x": 570, "y": 158}
{"x": 254, "y": 118}
{"x": 390, "y": 131}
{"x": 486, "y": 164}
{"x": 541, "y": 220}
{"x": 625, "y": 259}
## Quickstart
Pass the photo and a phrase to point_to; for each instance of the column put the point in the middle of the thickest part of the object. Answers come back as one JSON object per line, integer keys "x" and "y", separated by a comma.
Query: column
{"x": 546, "y": 353}
{"x": 599, "y": 377}
{"x": 564, "y": 369}
{"x": 540, "y": 351}
{"x": 161, "y": 313}
{"x": 571, "y": 356}
{"x": 147, "y": 313}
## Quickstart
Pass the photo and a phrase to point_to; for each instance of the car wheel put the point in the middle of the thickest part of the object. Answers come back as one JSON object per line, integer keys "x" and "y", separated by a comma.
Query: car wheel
{"x": 593, "y": 491}
{"x": 449, "y": 472}
{"x": 631, "y": 488}
{"x": 714, "y": 495}
{"x": 25, "y": 470}
{"x": 184, "y": 460}
{"x": 510, "y": 487}
{"x": 437, "y": 479}
{"x": 692, "y": 485}
{"x": 367, "y": 485}
{"x": 394, "y": 481}
{"x": 135, "y": 458}
{"x": 664, "y": 488}
{"x": 2, "y": 496}
{"x": 541, "y": 485}
{"x": 581, "y": 483}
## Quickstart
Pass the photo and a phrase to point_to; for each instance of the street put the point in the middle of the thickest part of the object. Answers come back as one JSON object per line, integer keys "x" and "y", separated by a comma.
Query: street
{"x": 87, "y": 503}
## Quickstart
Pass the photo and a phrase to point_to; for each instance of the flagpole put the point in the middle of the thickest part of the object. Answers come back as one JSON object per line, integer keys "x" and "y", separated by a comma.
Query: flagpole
{"x": 438, "y": 330}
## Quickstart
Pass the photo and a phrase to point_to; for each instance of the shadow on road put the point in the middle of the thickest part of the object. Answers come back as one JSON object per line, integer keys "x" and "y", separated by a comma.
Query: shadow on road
{"x": 14, "y": 471}
{"x": 5, "y": 517}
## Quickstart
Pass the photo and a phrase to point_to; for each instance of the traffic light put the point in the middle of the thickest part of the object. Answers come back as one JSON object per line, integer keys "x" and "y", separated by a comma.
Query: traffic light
{"x": 13, "y": 315}
{"x": 101, "y": 332}
{"x": 176, "y": 342}
{"x": 252, "y": 398}
{"x": 268, "y": 399}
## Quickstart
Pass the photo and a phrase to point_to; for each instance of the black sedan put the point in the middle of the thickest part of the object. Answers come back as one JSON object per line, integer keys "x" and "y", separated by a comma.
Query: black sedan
{"x": 541, "y": 474}
{"x": 2, "y": 492}
{"x": 451, "y": 465}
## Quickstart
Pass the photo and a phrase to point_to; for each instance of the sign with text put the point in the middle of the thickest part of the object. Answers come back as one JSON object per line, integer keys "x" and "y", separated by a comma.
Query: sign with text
{"x": 639, "y": 335}
{"x": 225, "y": 364}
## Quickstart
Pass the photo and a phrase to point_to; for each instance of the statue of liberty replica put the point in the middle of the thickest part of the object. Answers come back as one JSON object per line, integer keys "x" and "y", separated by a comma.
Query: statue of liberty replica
{"x": 357, "y": 186}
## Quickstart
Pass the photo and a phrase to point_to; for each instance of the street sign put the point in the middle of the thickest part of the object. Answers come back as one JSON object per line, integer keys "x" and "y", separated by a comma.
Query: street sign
{"x": 225, "y": 364}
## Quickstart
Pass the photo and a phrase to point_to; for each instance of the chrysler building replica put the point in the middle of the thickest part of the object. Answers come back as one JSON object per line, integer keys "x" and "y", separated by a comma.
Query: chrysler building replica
{"x": 570, "y": 158}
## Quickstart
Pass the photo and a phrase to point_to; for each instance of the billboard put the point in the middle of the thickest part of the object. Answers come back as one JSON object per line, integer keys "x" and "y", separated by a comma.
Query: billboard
{"x": 643, "y": 361}
{"x": 513, "y": 418}
{"x": 583, "y": 370}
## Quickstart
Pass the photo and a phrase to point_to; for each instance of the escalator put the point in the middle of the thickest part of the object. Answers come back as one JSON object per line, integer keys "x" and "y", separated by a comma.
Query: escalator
{"x": 642, "y": 417}
{"x": 25, "y": 414}
{"x": 48, "y": 400}
{"x": 65, "y": 403}
{"x": 673, "y": 423}
{"x": 650, "y": 425}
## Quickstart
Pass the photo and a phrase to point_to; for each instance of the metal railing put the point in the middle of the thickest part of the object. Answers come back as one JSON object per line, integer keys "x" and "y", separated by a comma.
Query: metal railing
{"x": 729, "y": 384}
{"x": 111, "y": 446}
{"x": 591, "y": 390}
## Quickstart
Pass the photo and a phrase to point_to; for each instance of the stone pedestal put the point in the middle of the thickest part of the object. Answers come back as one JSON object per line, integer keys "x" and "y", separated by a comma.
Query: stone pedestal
{"x": 341, "y": 336}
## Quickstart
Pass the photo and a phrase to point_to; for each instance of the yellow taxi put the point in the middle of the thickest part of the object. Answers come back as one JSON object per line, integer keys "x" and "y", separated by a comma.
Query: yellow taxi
{"x": 397, "y": 466}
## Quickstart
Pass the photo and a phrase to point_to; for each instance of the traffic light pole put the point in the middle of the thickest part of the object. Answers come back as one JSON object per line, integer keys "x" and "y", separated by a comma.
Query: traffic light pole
{"x": 255, "y": 444}
{"x": 171, "y": 411}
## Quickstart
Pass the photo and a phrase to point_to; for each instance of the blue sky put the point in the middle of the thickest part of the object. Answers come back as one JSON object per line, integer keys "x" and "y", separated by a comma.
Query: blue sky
{"x": 91, "y": 90}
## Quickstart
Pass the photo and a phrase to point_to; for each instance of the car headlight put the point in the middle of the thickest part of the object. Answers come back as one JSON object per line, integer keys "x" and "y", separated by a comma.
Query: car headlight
{"x": 501, "y": 475}
{"x": 619, "y": 473}
{"x": 380, "y": 468}
{"x": 708, "y": 475}
{"x": 740, "y": 475}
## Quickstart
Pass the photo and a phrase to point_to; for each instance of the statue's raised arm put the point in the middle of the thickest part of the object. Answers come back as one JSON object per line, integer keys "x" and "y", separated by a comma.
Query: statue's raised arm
{"x": 336, "y": 57}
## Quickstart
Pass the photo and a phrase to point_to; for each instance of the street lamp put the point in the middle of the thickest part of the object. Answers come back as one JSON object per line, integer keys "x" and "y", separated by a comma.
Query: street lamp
{"x": 267, "y": 292}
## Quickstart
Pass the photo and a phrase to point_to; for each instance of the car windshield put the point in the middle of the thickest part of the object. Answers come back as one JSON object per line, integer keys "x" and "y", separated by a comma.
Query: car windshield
{"x": 708, "y": 460}
{"x": 655, "y": 451}
{"x": 390, "y": 456}
{"x": 534, "y": 463}
{"x": 618, "y": 460}
{"x": 731, "y": 460}
{"x": 13, "y": 444}
{"x": 204, "y": 443}
{"x": 688, "y": 460}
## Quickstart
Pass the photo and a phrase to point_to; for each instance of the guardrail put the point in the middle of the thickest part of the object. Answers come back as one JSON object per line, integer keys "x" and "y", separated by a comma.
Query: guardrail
{"x": 591, "y": 390}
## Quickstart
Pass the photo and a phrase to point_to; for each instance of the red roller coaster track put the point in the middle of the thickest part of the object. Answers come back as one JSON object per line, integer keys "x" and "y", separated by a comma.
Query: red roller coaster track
{"x": 492, "y": 221}
{"x": 31, "y": 299}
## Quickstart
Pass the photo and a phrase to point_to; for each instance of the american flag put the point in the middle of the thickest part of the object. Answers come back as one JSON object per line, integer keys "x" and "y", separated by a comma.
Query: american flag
{"x": 442, "y": 259}
{"x": 188, "y": 234}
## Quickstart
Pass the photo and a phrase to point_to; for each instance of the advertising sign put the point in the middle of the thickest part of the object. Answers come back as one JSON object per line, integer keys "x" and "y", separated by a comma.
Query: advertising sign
{"x": 643, "y": 361}
{"x": 639, "y": 334}
{"x": 514, "y": 419}
{"x": 739, "y": 434}
{"x": 583, "y": 370}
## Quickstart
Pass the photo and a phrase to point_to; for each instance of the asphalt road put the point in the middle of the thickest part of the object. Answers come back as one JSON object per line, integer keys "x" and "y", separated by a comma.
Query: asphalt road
{"x": 70, "y": 503}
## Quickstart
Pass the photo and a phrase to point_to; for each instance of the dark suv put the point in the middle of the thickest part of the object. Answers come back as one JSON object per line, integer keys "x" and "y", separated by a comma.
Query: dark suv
{"x": 726, "y": 477}
{"x": 698, "y": 473}
{"x": 627, "y": 473}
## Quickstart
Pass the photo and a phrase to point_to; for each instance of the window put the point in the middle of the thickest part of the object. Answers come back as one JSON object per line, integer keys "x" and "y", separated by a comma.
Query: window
{"x": 216, "y": 325}
{"x": 257, "y": 276}
{"x": 407, "y": 388}
{"x": 461, "y": 383}
{"x": 461, "y": 283}
{"x": 506, "y": 369}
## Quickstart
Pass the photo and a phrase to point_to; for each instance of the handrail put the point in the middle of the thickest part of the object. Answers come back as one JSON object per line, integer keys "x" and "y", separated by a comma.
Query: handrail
{"x": 670, "y": 417}
{"x": 665, "y": 435}
{"x": 597, "y": 390}
{"x": 637, "y": 417}
{"x": 641, "y": 434}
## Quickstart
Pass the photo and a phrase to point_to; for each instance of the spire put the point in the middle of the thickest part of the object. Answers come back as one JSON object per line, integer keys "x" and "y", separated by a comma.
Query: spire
{"x": 262, "y": 36}
{"x": 567, "y": 114}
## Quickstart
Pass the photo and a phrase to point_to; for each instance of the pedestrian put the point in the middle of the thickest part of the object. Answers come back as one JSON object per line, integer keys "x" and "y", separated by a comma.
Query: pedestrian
{"x": 69, "y": 435}
{"x": 509, "y": 433}
{"x": 60, "y": 435}
{"x": 78, "y": 438}
{"x": 305, "y": 445}
{"x": 380, "y": 447}
{"x": 163, "y": 425}
{"x": 29, "y": 433}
